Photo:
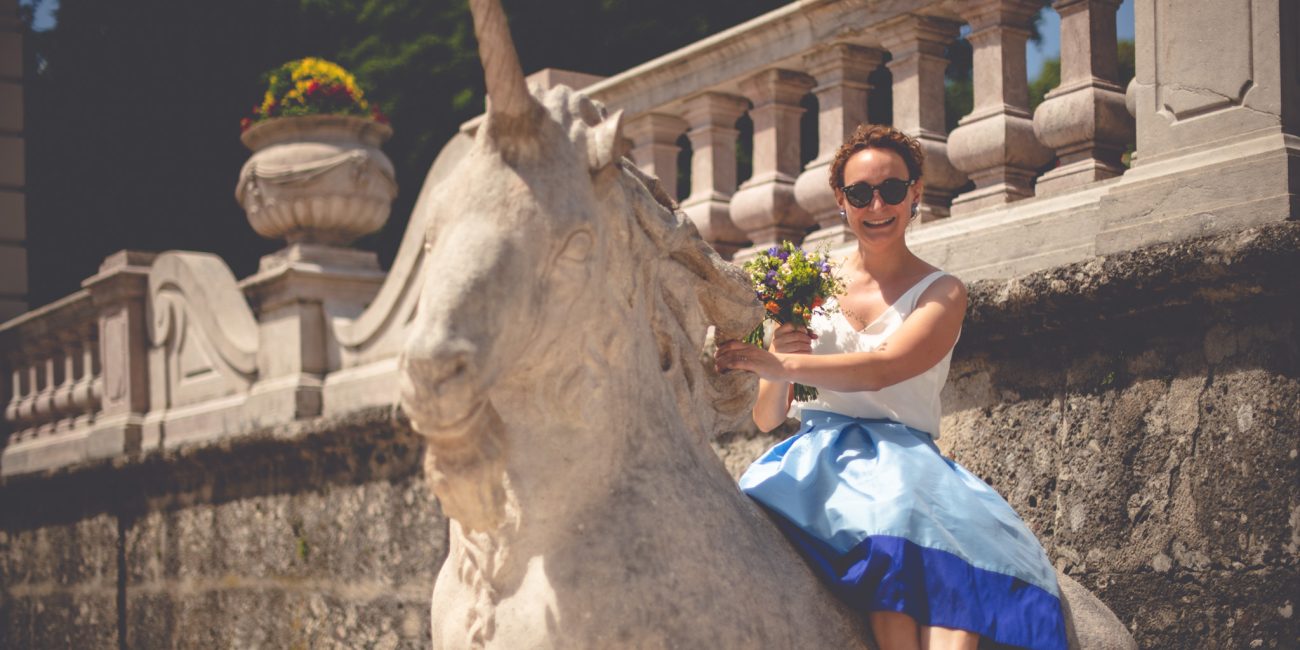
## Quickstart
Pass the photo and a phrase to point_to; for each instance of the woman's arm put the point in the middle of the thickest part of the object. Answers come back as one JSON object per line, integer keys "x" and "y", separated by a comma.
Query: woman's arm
{"x": 920, "y": 342}
{"x": 774, "y": 396}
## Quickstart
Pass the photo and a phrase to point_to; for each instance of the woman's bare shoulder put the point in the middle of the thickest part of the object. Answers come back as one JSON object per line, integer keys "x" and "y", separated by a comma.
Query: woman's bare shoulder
{"x": 947, "y": 289}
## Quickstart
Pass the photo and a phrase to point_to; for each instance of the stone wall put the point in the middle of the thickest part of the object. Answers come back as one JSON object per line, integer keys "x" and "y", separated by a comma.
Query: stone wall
{"x": 318, "y": 536}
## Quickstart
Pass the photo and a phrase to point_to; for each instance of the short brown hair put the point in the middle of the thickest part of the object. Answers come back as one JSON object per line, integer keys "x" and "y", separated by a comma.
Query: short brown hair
{"x": 878, "y": 136}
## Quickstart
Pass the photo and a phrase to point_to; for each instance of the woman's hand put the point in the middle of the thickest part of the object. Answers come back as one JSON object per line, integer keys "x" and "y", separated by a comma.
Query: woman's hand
{"x": 789, "y": 340}
{"x": 738, "y": 355}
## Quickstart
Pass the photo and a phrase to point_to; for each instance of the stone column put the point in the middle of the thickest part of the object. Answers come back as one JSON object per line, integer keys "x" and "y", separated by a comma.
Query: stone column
{"x": 712, "y": 117}
{"x": 654, "y": 146}
{"x": 917, "y": 45}
{"x": 841, "y": 71}
{"x": 995, "y": 145}
{"x": 118, "y": 292}
{"x": 13, "y": 210}
{"x": 765, "y": 207}
{"x": 1084, "y": 119}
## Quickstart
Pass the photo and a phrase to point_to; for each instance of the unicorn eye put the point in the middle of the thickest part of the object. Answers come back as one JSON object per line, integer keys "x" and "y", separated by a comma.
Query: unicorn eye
{"x": 577, "y": 248}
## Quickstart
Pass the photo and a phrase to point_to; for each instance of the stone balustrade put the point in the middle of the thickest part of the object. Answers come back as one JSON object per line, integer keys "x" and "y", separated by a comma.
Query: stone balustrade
{"x": 55, "y": 379}
{"x": 157, "y": 352}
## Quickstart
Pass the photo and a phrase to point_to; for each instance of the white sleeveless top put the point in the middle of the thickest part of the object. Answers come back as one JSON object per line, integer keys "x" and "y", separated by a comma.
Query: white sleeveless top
{"x": 914, "y": 402}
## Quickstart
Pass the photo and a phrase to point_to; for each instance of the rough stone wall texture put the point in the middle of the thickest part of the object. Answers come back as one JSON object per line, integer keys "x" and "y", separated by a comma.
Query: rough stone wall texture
{"x": 291, "y": 539}
{"x": 1142, "y": 413}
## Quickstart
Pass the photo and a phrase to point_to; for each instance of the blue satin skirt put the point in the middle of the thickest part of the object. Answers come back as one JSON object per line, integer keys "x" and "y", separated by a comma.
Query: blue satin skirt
{"x": 891, "y": 525}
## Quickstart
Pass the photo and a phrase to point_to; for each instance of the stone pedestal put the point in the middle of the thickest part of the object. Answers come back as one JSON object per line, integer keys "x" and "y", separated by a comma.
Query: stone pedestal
{"x": 1216, "y": 126}
{"x": 765, "y": 206}
{"x": 654, "y": 146}
{"x": 917, "y": 45}
{"x": 1084, "y": 119}
{"x": 296, "y": 293}
{"x": 118, "y": 291}
{"x": 841, "y": 72}
{"x": 712, "y": 119}
{"x": 995, "y": 145}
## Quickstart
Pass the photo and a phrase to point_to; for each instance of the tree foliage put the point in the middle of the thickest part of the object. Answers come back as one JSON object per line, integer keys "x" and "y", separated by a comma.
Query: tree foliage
{"x": 133, "y": 106}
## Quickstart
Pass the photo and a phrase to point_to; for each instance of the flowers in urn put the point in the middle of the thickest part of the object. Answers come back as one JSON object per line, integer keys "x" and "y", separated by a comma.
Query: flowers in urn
{"x": 317, "y": 175}
{"x": 311, "y": 86}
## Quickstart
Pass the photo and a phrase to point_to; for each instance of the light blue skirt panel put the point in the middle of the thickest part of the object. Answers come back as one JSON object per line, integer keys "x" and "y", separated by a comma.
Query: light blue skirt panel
{"x": 892, "y": 525}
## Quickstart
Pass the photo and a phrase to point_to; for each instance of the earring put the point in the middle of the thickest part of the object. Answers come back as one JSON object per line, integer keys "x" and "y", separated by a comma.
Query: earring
{"x": 844, "y": 215}
{"x": 916, "y": 207}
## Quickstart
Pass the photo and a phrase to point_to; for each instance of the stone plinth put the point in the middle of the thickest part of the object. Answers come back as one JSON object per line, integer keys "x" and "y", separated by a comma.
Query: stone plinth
{"x": 1216, "y": 143}
{"x": 298, "y": 293}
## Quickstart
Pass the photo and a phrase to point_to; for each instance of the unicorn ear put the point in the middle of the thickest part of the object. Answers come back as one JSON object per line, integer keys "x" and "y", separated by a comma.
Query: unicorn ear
{"x": 605, "y": 142}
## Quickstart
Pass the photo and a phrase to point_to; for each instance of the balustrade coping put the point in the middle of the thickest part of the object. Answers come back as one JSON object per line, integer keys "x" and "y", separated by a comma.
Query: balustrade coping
{"x": 39, "y": 318}
{"x": 715, "y": 56}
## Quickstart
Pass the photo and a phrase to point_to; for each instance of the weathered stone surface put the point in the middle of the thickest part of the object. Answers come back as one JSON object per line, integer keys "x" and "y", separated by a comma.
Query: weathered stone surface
{"x": 1141, "y": 411}
{"x": 318, "y": 535}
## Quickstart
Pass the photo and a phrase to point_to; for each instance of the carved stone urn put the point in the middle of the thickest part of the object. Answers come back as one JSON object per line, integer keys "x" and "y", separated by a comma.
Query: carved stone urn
{"x": 316, "y": 179}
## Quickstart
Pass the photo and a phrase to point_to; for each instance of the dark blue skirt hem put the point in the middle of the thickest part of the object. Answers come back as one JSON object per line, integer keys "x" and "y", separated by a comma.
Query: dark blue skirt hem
{"x": 936, "y": 588}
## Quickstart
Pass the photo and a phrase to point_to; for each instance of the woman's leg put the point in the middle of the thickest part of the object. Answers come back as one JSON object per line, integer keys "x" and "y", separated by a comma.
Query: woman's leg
{"x": 894, "y": 631}
{"x": 946, "y": 638}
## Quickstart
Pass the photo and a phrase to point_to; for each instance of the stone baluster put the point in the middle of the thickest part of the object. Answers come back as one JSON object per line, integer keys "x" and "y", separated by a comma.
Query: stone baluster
{"x": 764, "y": 206}
{"x": 995, "y": 145}
{"x": 711, "y": 117}
{"x": 26, "y": 416}
{"x": 87, "y": 391}
{"x": 43, "y": 409}
{"x": 1085, "y": 119}
{"x": 841, "y": 71}
{"x": 19, "y": 387}
{"x": 118, "y": 292}
{"x": 70, "y": 359}
{"x": 654, "y": 146}
{"x": 917, "y": 45}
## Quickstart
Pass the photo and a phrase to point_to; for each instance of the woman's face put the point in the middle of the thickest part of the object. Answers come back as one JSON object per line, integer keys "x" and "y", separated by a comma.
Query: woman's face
{"x": 877, "y": 223}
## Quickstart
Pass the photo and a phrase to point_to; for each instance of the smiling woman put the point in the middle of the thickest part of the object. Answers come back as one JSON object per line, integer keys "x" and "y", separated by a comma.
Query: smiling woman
{"x": 930, "y": 554}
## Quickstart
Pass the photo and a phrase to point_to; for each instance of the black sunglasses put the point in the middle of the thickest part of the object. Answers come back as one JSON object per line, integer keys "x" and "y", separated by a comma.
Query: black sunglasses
{"x": 892, "y": 191}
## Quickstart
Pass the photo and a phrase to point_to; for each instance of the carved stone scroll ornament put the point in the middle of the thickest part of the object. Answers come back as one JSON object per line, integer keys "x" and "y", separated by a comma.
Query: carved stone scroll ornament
{"x": 202, "y": 334}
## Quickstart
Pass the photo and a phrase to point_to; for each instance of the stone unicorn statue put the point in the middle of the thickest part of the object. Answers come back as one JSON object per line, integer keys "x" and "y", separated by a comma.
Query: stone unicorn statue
{"x": 556, "y": 367}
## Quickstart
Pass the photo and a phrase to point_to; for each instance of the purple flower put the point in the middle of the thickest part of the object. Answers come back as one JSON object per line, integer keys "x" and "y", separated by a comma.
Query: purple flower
{"x": 770, "y": 278}
{"x": 783, "y": 255}
{"x": 774, "y": 251}
{"x": 826, "y": 268}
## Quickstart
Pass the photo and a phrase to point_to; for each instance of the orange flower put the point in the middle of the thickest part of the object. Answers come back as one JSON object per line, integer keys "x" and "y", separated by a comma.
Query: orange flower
{"x": 773, "y": 307}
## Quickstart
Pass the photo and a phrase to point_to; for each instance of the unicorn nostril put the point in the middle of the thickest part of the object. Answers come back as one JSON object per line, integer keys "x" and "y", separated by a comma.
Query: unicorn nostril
{"x": 438, "y": 371}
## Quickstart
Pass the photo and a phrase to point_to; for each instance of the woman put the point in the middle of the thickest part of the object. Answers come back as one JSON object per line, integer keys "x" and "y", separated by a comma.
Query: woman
{"x": 930, "y": 553}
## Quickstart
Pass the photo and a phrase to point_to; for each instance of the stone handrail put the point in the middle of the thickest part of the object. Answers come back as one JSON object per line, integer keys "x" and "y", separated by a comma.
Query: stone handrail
{"x": 318, "y": 329}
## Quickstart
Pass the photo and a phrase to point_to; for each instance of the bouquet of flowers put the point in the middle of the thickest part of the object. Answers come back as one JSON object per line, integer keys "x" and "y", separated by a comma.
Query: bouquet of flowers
{"x": 311, "y": 86}
{"x": 791, "y": 284}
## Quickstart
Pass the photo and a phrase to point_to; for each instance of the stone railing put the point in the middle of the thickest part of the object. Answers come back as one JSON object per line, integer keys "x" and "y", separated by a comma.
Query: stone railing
{"x": 75, "y": 372}
{"x": 168, "y": 350}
